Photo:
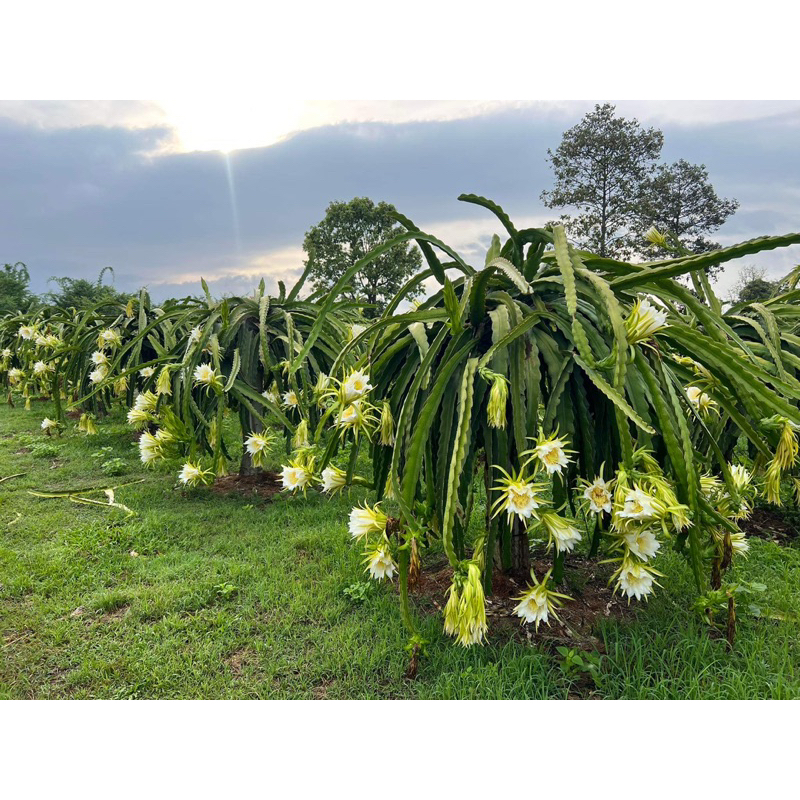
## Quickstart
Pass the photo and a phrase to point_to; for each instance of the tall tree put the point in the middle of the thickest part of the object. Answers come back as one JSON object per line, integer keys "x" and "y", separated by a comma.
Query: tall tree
{"x": 600, "y": 167}
{"x": 14, "y": 292}
{"x": 679, "y": 200}
{"x": 347, "y": 233}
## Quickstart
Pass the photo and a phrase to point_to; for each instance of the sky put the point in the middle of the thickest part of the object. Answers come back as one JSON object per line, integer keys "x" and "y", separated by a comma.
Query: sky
{"x": 168, "y": 191}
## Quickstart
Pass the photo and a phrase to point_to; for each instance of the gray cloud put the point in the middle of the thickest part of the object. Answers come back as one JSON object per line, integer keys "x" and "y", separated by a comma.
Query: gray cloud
{"x": 78, "y": 199}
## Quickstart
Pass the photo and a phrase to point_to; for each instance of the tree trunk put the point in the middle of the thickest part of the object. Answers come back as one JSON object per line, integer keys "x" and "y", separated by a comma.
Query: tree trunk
{"x": 520, "y": 565}
{"x": 520, "y": 550}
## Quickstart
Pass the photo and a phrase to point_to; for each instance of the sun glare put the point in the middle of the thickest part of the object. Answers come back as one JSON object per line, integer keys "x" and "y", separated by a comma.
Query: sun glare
{"x": 230, "y": 125}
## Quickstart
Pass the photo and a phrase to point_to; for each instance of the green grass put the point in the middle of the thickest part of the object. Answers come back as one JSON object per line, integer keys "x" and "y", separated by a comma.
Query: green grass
{"x": 232, "y": 597}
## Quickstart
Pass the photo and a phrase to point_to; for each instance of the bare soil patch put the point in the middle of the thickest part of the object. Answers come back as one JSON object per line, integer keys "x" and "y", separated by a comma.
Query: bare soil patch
{"x": 17, "y": 636}
{"x": 319, "y": 690}
{"x": 110, "y": 617}
{"x": 585, "y": 581}
{"x": 264, "y": 485}
{"x": 769, "y": 525}
{"x": 238, "y": 661}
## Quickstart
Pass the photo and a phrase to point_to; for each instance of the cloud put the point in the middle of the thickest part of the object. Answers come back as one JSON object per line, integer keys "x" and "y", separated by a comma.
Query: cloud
{"x": 76, "y": 199}
{"x": 229, "y": 123}
{"x": 54, "y": 114}
{"x": 694, "y": 113}
{"x": 280, "y": 265}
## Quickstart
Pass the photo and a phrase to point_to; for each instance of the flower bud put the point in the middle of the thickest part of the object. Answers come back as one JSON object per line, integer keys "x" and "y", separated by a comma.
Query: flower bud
{"x": 387, "y": 425}
{"x": 498, "y": 398}
{"x": 164, "y": 384}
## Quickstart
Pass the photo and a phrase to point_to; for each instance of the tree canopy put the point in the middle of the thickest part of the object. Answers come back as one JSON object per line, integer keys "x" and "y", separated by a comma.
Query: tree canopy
{"x": 678, "y": 199}
{"x": 14, "y": 292}
{"x": 348, "y": 232}
{"x": 606, "y": 167}
{"x": 80, "y": 293}
{"x": 599, "y": 169}
{"x": 753, "y": 286}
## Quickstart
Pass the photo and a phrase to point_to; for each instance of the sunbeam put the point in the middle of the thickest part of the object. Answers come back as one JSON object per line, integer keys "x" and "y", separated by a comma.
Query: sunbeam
{"x": 237, "y": 237}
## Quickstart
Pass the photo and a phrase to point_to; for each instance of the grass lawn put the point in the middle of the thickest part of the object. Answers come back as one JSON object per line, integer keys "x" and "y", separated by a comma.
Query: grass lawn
{"x": 209, "y": 596}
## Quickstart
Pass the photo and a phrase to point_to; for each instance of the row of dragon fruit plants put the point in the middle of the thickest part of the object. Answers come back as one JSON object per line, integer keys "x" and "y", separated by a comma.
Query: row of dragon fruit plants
{"x": 600, "y": 406}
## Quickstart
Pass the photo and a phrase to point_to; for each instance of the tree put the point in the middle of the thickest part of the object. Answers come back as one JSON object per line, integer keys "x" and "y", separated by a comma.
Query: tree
{"x": 80, "y": 293}
{"x": 347, "y": 233}
{"x": 678, "y": 199}
{"x": 600, "y": 167}
{"x": 752, "y": 286}
{"x": 14, "y": 292}
{"x": 606, "y": 167}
